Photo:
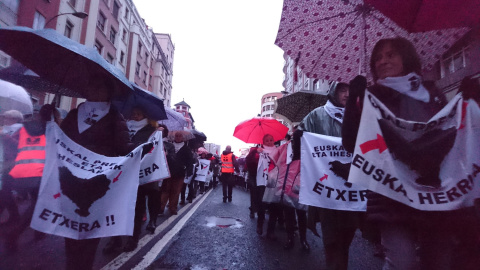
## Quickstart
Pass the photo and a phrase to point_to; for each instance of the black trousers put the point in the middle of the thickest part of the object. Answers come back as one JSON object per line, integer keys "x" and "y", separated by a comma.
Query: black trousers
{"x": 228, "y": 181}
{"x": 275, "y": 213}
{"x": 153, "y": 195}
{"x": 80, "y": 254}
{"x": 290, "y": 221}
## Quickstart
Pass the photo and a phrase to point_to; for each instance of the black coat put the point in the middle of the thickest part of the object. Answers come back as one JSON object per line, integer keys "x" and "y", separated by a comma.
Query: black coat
{"x": 182, "y": 163}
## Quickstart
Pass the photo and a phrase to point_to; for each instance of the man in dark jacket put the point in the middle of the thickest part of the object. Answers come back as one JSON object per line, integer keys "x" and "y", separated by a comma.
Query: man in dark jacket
{"x": 182, "y": 165}
{"x": 229, "y": 166}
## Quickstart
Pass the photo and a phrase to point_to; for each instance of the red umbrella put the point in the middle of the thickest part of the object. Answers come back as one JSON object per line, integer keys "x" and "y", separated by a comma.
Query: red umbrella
{"x": 427, "y": 15}
{"x": 253, "y": 130}
{"x": 333, "y": 40}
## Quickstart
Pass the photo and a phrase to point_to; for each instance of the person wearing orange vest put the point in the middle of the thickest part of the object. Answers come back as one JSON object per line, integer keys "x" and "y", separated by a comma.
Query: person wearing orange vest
{"x": 229, "y": 166}
{"x": 28, "y": 169}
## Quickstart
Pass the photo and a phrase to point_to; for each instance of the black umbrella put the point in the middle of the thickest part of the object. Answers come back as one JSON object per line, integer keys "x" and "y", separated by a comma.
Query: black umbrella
{"x": 200, "y": 136}
{"x": 296, "y": 106}
{"x": 61, "y": 60}
{"x": 148, "y": 102}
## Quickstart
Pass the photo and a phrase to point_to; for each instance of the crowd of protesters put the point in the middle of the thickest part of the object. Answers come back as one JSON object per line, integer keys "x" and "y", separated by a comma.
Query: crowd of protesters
{"x": 407, "y": 238}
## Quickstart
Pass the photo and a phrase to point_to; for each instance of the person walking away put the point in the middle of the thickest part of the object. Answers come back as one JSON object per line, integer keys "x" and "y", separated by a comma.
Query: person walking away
{"x": 229, "y": 167}
{"x": 338, "y": 227}
{"x": 100, "y": 128}
{"x": 251, "y": 162}
{"x": 183, "y": 165}
{"x": 412, "y": 239}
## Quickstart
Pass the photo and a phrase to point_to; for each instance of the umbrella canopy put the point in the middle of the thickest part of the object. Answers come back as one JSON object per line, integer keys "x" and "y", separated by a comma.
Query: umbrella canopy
{"x": 21, "y": 75}
{"x": 200, "y": 136}
{"x": 253, "y": 130}
{"x": 333, "y": 40}
{"x": 174, "y": 121}
{"x": 61, "y": 60}
{"x": 427, "y": 15}
{"x": 14, "y": 97}
{"x": 296, "y": 106}
{"x": 148, "y": 102}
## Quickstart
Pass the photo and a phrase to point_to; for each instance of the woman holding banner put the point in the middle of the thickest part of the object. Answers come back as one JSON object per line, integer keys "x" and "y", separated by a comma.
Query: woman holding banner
{"x": 446, "y": 239}
{"x": 99, "y": 127}
{"x": 139, "y": 128}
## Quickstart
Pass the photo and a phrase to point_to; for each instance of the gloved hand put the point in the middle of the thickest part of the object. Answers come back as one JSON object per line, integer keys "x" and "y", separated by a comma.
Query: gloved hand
{"x": 46, "y": 112}
{"x": 146, "y": 149}
{"x": 297, "y": 136}
{"x": 358, "y": 86}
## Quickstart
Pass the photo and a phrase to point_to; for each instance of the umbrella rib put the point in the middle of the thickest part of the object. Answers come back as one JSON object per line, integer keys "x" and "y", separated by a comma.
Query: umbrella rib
{"x": 333, "y": 41}
{"x": 319, "y": 20}
{"x": 384, "y": 25}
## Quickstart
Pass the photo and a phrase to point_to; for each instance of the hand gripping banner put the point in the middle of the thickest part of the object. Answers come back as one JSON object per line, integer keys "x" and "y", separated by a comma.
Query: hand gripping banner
{"x": 83, "y": 194}
{"x": 431, "y": 166}
{"x": 263, "y": 167}
{"x": 324, "y": 172}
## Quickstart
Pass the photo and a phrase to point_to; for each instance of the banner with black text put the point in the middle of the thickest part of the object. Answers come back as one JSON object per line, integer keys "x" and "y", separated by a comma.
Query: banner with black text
{"x": 431, "y": 166}
{"x": 83, "y": 194}
{"x": 202, "y": 170}
{"x": 324, "y": 172}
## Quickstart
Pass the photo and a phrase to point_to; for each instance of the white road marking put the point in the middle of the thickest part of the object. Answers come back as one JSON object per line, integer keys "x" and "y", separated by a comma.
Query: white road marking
{"x": 121, "y": 259}
{"x": 153, "y": 253}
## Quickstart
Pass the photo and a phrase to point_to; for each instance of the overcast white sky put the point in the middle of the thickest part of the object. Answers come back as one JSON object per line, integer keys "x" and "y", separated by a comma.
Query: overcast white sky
{"x": 225, "y": 58}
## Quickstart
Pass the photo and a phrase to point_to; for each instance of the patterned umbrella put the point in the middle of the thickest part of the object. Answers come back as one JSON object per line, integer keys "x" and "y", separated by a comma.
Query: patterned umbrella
{"x": 253, "y": 130}
{"x": 296, "y": 106}
{"x": 333, "y": 40}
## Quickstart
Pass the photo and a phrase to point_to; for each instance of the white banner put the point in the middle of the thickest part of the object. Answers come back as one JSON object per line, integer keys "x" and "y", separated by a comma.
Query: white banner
{"x": 84, "y": 194}
{"x": 262, "y": 169}
{"x": 324, "y": 173}
{"x": 154, "y": 165}
{"x": 431, "y": 166}
{"x": 202, "y": 170}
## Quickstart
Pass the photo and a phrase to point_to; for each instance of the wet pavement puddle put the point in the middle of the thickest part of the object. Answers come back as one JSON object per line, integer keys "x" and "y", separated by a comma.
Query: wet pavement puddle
{"x": 224, "y": 222}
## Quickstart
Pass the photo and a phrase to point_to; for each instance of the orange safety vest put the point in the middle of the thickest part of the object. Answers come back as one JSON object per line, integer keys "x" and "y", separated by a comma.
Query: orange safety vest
{"x": 31, "y": 156}
{"x": 227, "y": 163}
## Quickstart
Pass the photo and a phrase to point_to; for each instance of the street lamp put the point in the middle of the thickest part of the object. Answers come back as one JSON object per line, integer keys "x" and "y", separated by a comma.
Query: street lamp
{"x": 81, "y": 15}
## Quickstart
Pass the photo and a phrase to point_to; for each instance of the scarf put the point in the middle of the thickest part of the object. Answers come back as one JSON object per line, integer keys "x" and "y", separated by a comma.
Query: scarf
{"x": 268, "y": 149}
{"x": 334, "y": 111}
{"x": 90, "y": 113}
{"x": 178, "y": 146}
{"x": 410, "y": 85}
{"x": 135, "y": 126}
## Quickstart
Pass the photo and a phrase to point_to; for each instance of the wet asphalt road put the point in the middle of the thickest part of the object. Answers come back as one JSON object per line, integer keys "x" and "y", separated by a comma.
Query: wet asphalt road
{"x": 196, "y": 243}
{"x": 200, "y": 246}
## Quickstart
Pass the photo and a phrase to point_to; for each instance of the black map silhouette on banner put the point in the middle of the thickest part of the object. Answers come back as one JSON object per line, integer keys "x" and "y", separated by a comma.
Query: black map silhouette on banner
{"x": 423, "y": 155}
{"x": 341, "y": 170}
{"x": 83, "y": 192}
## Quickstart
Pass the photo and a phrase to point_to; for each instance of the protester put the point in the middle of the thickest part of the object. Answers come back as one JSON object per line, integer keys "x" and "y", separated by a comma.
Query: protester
{"x": 183, "y": 165}
{"x": 140, "y": 128}
{"x": 251, "y": 162}
{"x": 100, "y": 128}
{"x": 229, "y": 166}
{"x": 274, "y": 209}
{"x": 338, "y": 227}
{"x": 283, "y": 187}
{"x": 28, "y": 169}
{"x": 440, "y": 239}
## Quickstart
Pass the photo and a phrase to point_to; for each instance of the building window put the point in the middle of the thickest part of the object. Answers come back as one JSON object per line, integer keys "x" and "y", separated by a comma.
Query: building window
{"x": 122, "y": 57}
{"x": 68, "y": 29}
{"x": 139, "y": 51}
{"x": 161, "y": 90}
{"x": 124, "y": 35}
{"x": 144, "y": 77}
{"x": 98, "y": 46}
{"x": 101, "y": 21}
{"x": 454, "y": 62}
{"x": 73, "y": 3}
{"x": 4, "y": 61}
{"x": 146, "y": 57}
{"x": 38, "y": 21}
{"x": 116, "y": 9}
{"x": 150, "y": 80}
{"x": 113, "y": 34}
{"x": 109, "y": 58}
{"x": 137, "y": 69}
{"x": 127, "y": 12}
